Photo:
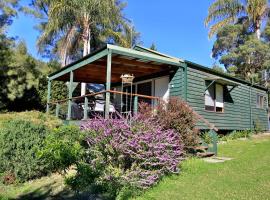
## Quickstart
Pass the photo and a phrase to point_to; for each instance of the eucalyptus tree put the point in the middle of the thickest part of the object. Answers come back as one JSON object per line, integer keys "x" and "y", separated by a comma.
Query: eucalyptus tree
{"x": 224, "y": 12}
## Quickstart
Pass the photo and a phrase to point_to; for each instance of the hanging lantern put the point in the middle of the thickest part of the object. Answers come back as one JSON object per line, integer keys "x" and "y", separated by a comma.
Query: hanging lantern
{"x": 127, "y": 78}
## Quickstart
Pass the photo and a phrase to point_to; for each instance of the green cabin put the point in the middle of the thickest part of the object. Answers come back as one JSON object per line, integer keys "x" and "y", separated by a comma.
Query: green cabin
{"x": 226, "y": 102}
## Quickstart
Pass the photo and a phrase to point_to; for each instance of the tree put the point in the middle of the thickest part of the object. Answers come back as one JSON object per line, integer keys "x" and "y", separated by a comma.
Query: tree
{"x": 240, "y": 51}
{"x": 153, "y": 46}
{"x": 225, "y": 12}
{"x": 5, "y": 55}
{"x": 7, "y": 12}
{"x": 79, "y": 26}
{"x": 218, "y": 68}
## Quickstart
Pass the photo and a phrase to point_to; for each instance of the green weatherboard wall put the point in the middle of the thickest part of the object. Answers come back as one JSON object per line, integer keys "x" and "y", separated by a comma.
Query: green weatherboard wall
{"x": 237, "y": 114}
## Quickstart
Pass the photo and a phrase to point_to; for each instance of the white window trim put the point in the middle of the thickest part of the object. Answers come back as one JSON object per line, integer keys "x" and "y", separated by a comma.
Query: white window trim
{"x": 260, "y": 106}
{"x": 215, "y": 100}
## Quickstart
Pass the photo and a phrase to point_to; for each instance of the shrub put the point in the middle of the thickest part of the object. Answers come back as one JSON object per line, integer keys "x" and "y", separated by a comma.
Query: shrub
{"x": 236, "y": 135}
{"x": 62, "y": 148}
{"x": 206, "y": 137}
{"x": 174, "y": 114}
{"x": 32, "y": 116}
{"x": 19, "y": 142}
{"x": 119, "y": 155}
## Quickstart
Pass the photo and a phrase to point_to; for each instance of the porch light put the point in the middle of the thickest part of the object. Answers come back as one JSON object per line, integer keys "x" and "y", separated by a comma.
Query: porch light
{"x": 127, "y": 78}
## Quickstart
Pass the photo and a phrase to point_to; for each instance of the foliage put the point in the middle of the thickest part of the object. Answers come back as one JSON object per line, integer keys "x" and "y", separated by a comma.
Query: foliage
{"x": 236, "y": 135}
{"x": 5, "y": 55}
{"x": 24, "y": 79}
{"x": 20, "y": 77}
{"x": 19, "y": 142}
{"x": 114, "y": 156}
{"x": 245, "y": 54}
{"x": 239, "y": 44}
{"x": 22, "y": 72}
{"x": 59, "y": 89}
{"x": 224, "y": 12}
{"x": 206, "y": 138}
{"x": 62, "y": 148}
{"x": 153, "y": 47}
{"x": 237, "y": 183}
{"x": 7, "y": 12}
{"x": 176, "y": 115}
{"x": 37, "y": 118}
{"x": 258, "y": 126}
{"x": 218, "y": 68}
{"x": 77, "y": 27}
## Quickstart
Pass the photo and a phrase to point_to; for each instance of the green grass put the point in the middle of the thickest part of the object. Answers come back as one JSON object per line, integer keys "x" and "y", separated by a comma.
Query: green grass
{"x": 247, "y": 176}
{"x": 47, "y": 188}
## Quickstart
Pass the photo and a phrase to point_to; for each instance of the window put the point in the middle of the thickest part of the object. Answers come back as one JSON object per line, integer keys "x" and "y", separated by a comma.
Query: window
{"x": 210, "y": 98}
{"x": 214, "y": 97}
{"x": 259, "y": 101}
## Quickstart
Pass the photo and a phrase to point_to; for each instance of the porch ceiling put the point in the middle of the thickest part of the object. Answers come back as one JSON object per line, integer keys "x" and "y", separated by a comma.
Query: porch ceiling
{"x": 95, "y": 72}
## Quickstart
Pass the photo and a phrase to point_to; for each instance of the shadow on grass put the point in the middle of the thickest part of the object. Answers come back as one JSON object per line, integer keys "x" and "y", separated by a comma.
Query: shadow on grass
{"x": 45, "y": 192}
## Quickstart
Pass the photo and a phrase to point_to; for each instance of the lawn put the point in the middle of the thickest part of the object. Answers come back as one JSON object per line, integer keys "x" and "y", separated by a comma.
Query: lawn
{"x": 247, "y": 176}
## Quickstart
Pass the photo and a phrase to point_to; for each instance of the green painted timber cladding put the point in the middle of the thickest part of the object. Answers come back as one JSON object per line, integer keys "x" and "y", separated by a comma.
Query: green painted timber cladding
{"x": 236, "y": 115}
{"x": 177, "y": 83}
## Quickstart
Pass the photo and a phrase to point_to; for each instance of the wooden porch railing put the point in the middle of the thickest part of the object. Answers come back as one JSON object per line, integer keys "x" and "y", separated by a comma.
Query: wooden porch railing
{"x": 135, "y": 104}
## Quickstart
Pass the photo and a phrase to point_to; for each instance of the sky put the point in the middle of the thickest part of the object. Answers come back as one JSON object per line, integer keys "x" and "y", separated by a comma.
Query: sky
{"x": 175, "y": 26}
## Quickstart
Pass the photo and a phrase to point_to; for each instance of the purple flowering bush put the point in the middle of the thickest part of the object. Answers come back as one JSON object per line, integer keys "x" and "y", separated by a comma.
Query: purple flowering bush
{"x": 175, "y": 114}
{"x": 136, "y": 154}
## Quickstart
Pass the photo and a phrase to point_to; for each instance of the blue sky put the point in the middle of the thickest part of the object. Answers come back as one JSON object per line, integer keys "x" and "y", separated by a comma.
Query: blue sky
{"x": 176, "y": 27}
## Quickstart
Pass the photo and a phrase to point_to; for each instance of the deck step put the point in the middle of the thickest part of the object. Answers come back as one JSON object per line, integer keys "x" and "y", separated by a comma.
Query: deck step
{"x": 201, "y": 148}
{"x": 205, "y": 154}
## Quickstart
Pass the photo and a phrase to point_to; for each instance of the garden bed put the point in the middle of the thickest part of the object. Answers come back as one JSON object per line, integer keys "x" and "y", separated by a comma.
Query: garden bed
{"x": 244, "y": 177}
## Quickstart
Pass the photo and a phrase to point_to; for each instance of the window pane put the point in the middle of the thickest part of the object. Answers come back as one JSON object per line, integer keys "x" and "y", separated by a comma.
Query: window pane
{"x": 210, "y": 108}
{"x": 219, "y": 96}
{"x": 259, "y": 101}
{"x": 210, "y": 96}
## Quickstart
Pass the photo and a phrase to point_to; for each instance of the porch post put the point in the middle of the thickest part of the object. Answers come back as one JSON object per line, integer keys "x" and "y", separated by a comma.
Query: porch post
{"x": 135, "y": 106}
{"x": 70, "y": 95}
{"x": 85, "y": 108}
{"x": 48, "y": 97}
{"x": 108, "y": 84}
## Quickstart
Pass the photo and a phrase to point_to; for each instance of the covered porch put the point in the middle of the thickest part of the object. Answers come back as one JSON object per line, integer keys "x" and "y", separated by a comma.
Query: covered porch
{"x": 152, "y": 74}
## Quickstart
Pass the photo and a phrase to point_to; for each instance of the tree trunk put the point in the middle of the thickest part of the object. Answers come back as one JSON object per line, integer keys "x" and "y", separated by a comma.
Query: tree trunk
{"x": 258, "y": 33}
{"x": 64, "y": 58}
{"x": 86, "y": 45}
{"x": 258, "y": 29}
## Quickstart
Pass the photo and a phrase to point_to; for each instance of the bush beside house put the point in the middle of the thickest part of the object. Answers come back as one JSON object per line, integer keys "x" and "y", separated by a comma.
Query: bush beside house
{"x": 21, "y": 136}
{"x": 114, "y": 157}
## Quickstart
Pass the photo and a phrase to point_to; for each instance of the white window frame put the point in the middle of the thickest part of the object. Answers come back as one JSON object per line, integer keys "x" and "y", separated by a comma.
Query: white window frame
{"x": 259, "y": 101}
{"x": 215, "y": 99}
